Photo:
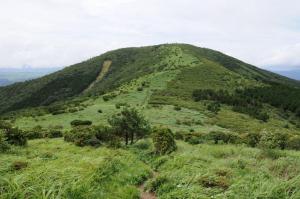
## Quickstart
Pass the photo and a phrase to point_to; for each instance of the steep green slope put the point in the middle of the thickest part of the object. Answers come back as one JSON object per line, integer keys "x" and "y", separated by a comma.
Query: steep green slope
{"x": 209, "y": 68}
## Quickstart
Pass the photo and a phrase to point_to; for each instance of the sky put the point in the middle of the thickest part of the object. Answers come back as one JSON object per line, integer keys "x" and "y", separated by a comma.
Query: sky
{"x": 52, "y": 33}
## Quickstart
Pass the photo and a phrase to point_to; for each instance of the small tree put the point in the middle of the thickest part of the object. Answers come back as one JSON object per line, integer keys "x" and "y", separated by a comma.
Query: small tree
{"x": 129, "y": 124}
{"x": 163, "y": 140}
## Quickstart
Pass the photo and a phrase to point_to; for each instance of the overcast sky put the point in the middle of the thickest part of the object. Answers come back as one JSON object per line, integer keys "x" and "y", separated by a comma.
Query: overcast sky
{"x": 51, "y": 33}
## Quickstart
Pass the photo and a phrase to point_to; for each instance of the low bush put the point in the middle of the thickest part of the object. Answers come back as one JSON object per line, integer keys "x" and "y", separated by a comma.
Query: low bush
{"x": 18, "y": 165}
{"x": 252, "y": 139}
{"x": 81, "y": 123}
{"x": 217, "y": 136}
{"x": 52, "y": 133}
{"x": 163, "y": 140}
{"x": 15, "y": 136}
{"x": 140, "y": 89}
{"x": 154, "y": 184}
{"x": 177, "y": 108}
{"x": 272, "y": 140}
{"x": 82, "y": 136}
{"x": 294, "y": 142}
{"x": 4, "y": 146}
{"x": 211, "y": 181}
{"x": 100, "y": 111}
{"x": 271, "y": 154}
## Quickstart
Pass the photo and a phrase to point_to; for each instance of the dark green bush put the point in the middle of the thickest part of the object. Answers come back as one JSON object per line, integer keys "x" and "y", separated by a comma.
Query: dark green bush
{"x": 82, "y": 136}
{"x": 217, "y": 136}
{"x": 179, "y": 135}
{"x": 252, "y": 139}
{"x": 52, "y": 133}
{"x": 15, "y": 136}
{"x": 140, "y": 89}
{"x": 271, "y": 154}
{"x": 214, "y": 107}
{"x": 163, "y": 140}
{"x": 4, "y": 146}
{"x": 18, "y": 165}
{"x": 100, "y": 111}
{"x": 294, "y": 142}
{"x": 272, "y": 140}
{"x": 177, "y": 108}
{"x": 157, "y": 182}
{"x": 81, "y": 123}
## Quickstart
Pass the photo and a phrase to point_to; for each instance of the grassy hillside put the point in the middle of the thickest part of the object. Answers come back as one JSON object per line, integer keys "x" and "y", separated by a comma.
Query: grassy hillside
{"x": 212, "y": 103}
{"x": 126, "y": 65}
{"x": 202, "y": 171}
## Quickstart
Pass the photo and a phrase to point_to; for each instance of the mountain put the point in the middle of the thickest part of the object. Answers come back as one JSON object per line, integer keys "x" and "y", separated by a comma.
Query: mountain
{"x": 4, "y": 82}
{"x": 12, "y": 75}
{"x": 294, "y": 74}
{"x": 192, "y": 68}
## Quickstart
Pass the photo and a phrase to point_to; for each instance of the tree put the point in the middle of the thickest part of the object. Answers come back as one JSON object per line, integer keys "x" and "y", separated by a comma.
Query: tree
{"x": 129, "y": 124}
{"x": 163, "y": 140}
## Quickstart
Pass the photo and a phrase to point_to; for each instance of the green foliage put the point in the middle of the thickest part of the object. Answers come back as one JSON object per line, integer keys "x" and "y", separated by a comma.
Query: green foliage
{"x": 82, "y": 136}
{"x": 18, "y": 165}
{"x": 15, "y": 136}
{"x": 129, "y": 124}
{"x": 273, "y": 139}
{"x": 252, "y": 139}
{"x": 214, "y": 107}
{"x": 4, "y": 146}
{"x": 81, "y": 123}
{"x": 163, "y": 139}
{"x": 177, "y": 108}
{"x": 294, "y": 142}
{"x": 217, "y": 136}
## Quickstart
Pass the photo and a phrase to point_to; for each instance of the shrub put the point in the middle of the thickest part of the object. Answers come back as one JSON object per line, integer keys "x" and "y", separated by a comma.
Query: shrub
{"x": 271, "y": 153}
{"x": 36, "y": 132}
{"x": 212, "y": 181}
{"x": 4, "y": 146}
{"x": 217, "y": 136}
{"x": 82, "y": 136}
{"x": 232, "y": 138}
{"x": 272, "y": 140}
{"x": 177, "y": 108}
{"x": 140, "y": 89}
{"x": 294, "y": 142}
{"x": 15, "y": 136}
{"x": 163, "y": 140}
{"x": 81, "y": 123}
{"x": 18, "y": 165}
{"x": 153, "y": 185}
{"x": 54, "y": 134}
{"x": 214, "y": 107}
{"x": 252, "y": 139}
{"x": 179, "y": 135}
{"x": 100, "y": 111}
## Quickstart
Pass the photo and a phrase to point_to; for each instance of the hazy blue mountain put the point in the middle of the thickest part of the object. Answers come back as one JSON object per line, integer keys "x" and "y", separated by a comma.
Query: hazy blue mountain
{"x": 12, "y": 75}
{"x": 294, "y": 74}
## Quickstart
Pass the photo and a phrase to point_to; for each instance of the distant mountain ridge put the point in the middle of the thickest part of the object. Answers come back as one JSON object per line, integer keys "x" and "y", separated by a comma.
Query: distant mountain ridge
{"x": 12, "y": 75}
{"x": 131, "y": 63}
{"x": 294, "y": 74}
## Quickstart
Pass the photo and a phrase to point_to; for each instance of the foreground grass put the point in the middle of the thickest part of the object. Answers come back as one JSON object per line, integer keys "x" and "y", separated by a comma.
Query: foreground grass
{"x": 56, "y": 169}
{"x": 225, "y": 171}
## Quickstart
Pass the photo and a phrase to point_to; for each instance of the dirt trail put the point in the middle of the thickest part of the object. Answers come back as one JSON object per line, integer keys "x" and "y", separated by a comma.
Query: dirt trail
{"x": 145, "y": 194}
{"x": 105, "y": 67}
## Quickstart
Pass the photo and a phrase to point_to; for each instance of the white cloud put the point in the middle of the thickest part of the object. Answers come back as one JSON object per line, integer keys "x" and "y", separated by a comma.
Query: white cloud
{"x": 61, "y": 32}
